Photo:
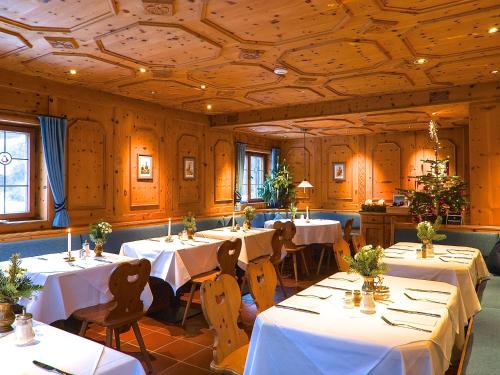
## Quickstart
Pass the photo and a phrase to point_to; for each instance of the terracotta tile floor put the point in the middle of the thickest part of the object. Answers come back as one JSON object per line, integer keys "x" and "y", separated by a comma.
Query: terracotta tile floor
{"x": 177, "y": 350}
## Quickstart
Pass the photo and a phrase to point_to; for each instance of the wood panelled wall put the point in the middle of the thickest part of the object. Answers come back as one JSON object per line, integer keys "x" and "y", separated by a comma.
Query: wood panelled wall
{"x": 484, "y": 146}
{"x": 106, "y": 134}
{"x": 376, "y": 164}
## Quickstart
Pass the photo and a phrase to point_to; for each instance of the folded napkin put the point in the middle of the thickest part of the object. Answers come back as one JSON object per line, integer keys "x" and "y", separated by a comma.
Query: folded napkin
{"x": 316, "y": 291}
{"x": 438, "y": 297}
{"x": 420, "y": 321}
{"x": 345, "y": 277}
{"x": 311, "y": 304}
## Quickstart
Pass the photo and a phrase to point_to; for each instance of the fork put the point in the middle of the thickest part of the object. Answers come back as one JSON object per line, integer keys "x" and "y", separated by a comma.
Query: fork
{"x": 313, "y": 296}
{"x": 402, "y": 325}
{"x": 343, "y": 278}
{"x": 424, "y": 299}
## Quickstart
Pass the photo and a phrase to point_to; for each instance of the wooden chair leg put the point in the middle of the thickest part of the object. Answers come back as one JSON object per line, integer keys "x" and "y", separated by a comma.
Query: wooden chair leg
{"x": 109, "y": 337}
{"x": 304, "y": 262}
{"x": 144, "y": 351}
{"x": 328, "y": 259}
{"x": 280, "y": 280}
{"x": 188, "y": 305}
{"x": 83, "y": 328}
{"x": 117, "y": 339}
{"x": 320, "y": 260}
{"x": 295, "y": 269}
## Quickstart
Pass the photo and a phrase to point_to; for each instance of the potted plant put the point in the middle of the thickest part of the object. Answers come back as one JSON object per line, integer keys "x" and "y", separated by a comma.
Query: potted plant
{"x": 278, "y": 190}
{"x": 98, "y": 233}
{"x": 427, "y": 232}
{"x": 189, "y": 223}
{"x": 14, "y": 284}
{"x": 367, "y": 263}
{"x": 248, "y": 215}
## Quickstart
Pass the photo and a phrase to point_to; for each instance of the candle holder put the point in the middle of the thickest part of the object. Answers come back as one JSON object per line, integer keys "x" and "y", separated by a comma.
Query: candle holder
{"x": 69, "y": 258}
{"x": 234, "y": 229}
{"x": 169, "y": 239}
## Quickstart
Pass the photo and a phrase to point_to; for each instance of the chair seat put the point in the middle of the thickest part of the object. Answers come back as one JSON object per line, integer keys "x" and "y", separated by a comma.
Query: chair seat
{"x": 212, "y": 275}
{"x": 295, "y": 250}
{"x": 98, "y": 313}
{"x": 234, "y": 363}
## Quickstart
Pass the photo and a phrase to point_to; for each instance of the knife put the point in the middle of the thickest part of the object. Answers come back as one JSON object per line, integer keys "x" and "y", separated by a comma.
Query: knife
{"x": 102, "y": 260}
{"x": 332, "y": 287}
{"x": 297, "y": 309}
{"x": 414, "y": 312}
{"x": 428, "y": 290}
{"x": 452, "y": 261}
{"x": 50, "y": 368}
{"x": 399, "y": 248}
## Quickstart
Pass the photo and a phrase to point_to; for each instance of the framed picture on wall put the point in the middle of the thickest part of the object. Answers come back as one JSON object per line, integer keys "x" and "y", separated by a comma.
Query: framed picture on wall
{"x": 339, "y": 171}
{"x": 189, "y": 168}
{"x": 144, "y": 167}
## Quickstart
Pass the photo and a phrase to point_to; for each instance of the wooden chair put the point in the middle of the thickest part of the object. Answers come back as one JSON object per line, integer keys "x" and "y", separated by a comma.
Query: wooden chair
{"x": 288, "y": 229}
{"x": 358, "y": 241}
{"x": 221, "y": 302}
{"x": 341, "y": 249}
{"x": 227, "y": 257}
{"x": 348, "y": 230}
{"x": 347, "y": 238}
{"x": 126, "y": 283}
{"x": 262, "y": 280}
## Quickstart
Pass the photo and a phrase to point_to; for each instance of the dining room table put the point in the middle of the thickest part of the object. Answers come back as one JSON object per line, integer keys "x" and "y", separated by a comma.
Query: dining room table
{"x": 255, "y": 242}
{"x": 64, "y": 351}
{"x": 311, "y": 231}
{"x": 175, "y": 260}
{"x": 413, "y": 332}
{"x": 69, "y": 286}
{"x": 461, "y": 266}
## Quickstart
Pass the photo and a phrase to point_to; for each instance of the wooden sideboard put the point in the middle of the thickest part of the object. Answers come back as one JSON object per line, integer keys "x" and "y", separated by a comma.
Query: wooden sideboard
{"x": 376, "y": 226}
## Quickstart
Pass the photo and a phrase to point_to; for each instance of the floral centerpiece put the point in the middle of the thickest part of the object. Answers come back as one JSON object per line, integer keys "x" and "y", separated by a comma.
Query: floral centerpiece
{"x": 189, "y": 222}
{"x": 14, "y": 284}
{"x": 98, "y": 233}
{"x": 293, "y": 211}
{"x": 427, "y": 232}
{"x": 248, "y": 214}
{"x": 368, "y": 263}
{"x": 373, "y": 206}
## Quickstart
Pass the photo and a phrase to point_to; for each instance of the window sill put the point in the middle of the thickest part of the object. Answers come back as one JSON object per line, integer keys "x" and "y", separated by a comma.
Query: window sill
{"x": 20, "y": 221}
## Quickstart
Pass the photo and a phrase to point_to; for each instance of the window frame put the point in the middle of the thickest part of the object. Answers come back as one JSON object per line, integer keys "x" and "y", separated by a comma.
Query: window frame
{"x": 248, "y": 155}
{"x": 32, "y": 132}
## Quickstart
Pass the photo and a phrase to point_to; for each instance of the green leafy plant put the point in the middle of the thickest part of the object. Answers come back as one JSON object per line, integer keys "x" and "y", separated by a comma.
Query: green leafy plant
{"x": 99, "y": 231}
{"x": 367, "y": 262}
{"x": 278, "y": 189}
{"x": 427, "y": 232}
{"x": 293, "y": 210}
{"x": 14, "y": 283}
{"x": 249, "y": 213}
{"x": 189, "y": 222}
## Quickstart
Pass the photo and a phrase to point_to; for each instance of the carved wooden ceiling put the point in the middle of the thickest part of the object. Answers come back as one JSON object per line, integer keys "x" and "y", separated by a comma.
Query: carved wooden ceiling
{"x": 194, "y": 54}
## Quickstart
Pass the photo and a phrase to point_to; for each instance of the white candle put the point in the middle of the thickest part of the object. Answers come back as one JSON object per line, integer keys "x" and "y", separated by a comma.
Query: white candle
{"x": 307, "y": 212}
{"x": 234, "y": 223}
{"x": 169, "y": 226}
{"x": 69, "y": 242}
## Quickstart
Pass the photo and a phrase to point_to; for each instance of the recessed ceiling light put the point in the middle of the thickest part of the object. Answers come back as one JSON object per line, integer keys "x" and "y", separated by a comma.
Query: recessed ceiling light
{"x": 494, "y": 71}
{"x": 72, "y": 71}
{"x": 142, "y": 70}
{"x": 434, "y": 113}
{"x": 279, "y": 70}
{"x": 209, "y": 106}
{"x": 420, "y": 61}
{"x": 203, "y": 87}
{"x": 493, "y": 30}
{"x": 153, "y": 92}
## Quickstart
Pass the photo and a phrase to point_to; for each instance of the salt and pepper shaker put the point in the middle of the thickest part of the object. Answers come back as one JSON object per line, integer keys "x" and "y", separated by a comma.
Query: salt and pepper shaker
{"x": 348, "y": 300}
{"x": 86, "y": 247}
{"x": 368, "y": 303}
{"x": 24, "y": 328}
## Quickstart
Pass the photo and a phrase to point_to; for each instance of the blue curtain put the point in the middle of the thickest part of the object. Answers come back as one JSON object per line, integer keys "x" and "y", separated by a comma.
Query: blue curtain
{"x": 53, "y": 131}
{"x": 241, "y": 149}
{"x": 275, "y": 155}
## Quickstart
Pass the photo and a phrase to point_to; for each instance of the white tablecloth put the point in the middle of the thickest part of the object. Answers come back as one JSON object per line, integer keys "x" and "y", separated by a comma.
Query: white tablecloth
{"x": 346, "y": 341}
{"x": 449, "y": 265}
{"x": 68, "y": 287}
{"x": 256, "y": 242}
{"x": 66, "y": 352}
{"x": 175, "y": 262}
{"x": 314, "y": 231}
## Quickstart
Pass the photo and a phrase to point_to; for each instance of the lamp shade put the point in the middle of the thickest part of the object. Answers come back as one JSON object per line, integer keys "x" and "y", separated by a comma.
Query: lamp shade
{"x": 305, "y": 184}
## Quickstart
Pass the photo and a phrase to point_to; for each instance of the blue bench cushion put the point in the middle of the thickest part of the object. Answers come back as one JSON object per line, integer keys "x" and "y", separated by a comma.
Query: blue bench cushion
{"x": 484, "y": 241}
{"x": 340, "y": 216}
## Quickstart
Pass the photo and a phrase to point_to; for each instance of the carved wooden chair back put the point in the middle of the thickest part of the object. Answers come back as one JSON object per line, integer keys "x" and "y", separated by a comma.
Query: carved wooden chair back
{"x": 347, "y": 230}
{"x": 221, "y": 302}
{"x": 288, "y": 233}
{"x": 277, "y": 246}
{"x": 358, "y": 242}
{"x": 341, "y": 249}
{"x": 126, "y": 283}
{"x": 262, "y": 280}
{"x": 227, "y": 256}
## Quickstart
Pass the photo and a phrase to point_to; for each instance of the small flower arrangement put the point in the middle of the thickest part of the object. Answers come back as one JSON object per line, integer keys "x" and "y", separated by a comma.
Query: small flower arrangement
{"x": 249, "y": 213}
{"x": 293, "y": 211}
{"x": 98, "y": 232}
{"x": 427, "y": 232}
{"x": 14, "y": 283}
{"x": 189, "y": 222}
{"x": 367, "y": 262}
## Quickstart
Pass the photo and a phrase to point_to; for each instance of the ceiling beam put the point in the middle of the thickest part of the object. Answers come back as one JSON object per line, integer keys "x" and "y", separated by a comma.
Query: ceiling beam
{"x": 449, "y": 95}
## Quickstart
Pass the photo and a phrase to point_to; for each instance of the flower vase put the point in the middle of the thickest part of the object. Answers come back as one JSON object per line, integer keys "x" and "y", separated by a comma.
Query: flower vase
{"x": 247, "y": 224}
{"x": 368, "y": 284}
{"x": 190, "y": 233}
{"x": 98, "y": 249}
{"x": 7, "y": 317}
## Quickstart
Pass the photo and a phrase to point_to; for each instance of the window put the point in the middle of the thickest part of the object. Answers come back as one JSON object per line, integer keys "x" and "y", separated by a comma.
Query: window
{"x": 16, "y": 176}
{"x": 255, "y": 164}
